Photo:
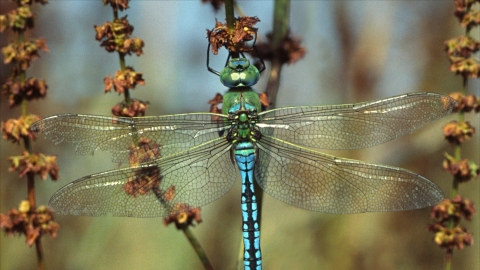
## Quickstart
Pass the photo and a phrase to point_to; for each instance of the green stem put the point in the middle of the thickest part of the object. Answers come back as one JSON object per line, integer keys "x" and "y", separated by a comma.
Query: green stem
{"x": 198, "y": 248}
{"x": 121, "y": 57}
{"x": 458, "y": 148}
{"x": 456, "y": 182}
{"x": 123, "y": 67}
{"x": 281, "y": 21}
{"x": 230, "y": 16}
{"x": 448, "y": 260}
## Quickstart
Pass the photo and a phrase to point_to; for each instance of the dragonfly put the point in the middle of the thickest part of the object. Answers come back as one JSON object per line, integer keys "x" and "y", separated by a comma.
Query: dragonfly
{"x": 202, "y": 154}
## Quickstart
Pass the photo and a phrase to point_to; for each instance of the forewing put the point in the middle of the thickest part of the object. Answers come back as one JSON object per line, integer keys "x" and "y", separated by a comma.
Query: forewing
{"x": 353, "y": 126}
{"x": 172, "y": 133}
{"x": 324, "y": 183}
{"x": 155, "y": 189}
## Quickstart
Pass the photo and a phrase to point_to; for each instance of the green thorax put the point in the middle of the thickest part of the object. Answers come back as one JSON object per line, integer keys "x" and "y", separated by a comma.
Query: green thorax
{"x": 241, "y": 103}
{"x": 235, "y": 96}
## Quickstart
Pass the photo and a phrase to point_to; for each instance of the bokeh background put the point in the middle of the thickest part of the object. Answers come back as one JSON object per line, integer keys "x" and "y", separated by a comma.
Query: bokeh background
{"x": 356, "y": 51}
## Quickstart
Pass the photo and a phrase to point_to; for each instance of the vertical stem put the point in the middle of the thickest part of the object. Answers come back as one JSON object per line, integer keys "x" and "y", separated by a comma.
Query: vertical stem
{"x": 22, "y": 75}
{"x": 448, "y": 259}
{"x": 123, "y": 67}
{"x": 230, "y": 15}
{"x": 281, "y": 21}
{"x": 198, "y": 248}
{"x": 458, "y": 149}
{"x": 30, "y": 176}
{"x": 39, "y": 251}
{"x": 455, "y": 184}
{"x": 115, "y": 14}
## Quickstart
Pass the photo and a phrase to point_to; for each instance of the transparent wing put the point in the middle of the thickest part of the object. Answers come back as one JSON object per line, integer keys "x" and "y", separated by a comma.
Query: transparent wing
{"x": 353, "y": 126}
{"x": 155, "y": 189}
{"x": 173, "y": 133}
{"x": 324, "y": 183}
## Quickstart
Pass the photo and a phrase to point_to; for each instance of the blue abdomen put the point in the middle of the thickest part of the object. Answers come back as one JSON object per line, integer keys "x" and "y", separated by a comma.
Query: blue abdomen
{"x": 245, "y": 158}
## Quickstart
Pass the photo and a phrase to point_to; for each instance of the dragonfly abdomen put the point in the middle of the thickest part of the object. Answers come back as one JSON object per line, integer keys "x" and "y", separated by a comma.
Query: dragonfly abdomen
{"x": 245, "y": 158}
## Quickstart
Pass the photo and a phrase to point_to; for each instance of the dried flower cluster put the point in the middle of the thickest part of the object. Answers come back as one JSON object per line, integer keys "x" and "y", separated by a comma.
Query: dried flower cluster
{"x": 29, "y": 222}
{"x": 288, "y": 51}
{"x": 147, "y": 179}
{"x": 145, "y": 151}
{"x": 116, "y": 37}
{"x": 21, "y": 53}
{"x": 233, "y": 40}
{"x": 183, "y": 216}
{"x": 460, "y": 50}
{"x": 462, "y": 170}
{"x": 449, "y": 213}
{"x": 452, "y": 211}
{"x": 24, "y": 52}
{"x": 135, "y": 108}
{"x": 264, "y": 102}
{"x": 19, "y": 89}
{"x": 16, "y": 129}
{"x": 123, "y": 80}
{"x": 144, "y": 181}
{"x": 117, "y": 4}
{"x": 35, "y": 163}
{"x": 458, "y": 132}
{"x": 19, "y": 19}
{"x": 466, "y": 15}
{"x": 214, "y": 102}
{"x": 466, "y": 103}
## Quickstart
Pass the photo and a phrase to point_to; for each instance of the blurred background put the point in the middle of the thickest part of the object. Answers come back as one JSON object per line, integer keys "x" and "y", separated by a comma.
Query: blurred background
{"x": 356, "y": 51}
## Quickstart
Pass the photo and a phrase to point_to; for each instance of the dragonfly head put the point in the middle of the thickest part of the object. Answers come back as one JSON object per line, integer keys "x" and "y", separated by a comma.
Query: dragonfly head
{"x": 239, "y": 73}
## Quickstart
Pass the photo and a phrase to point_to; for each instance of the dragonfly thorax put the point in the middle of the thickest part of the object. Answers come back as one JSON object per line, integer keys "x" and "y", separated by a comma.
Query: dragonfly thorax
{"x": 242, "y": 106}
{"x": 243, "y": 126}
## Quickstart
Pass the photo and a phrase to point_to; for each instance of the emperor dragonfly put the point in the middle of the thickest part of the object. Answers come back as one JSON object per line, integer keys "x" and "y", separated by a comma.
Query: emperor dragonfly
{"x": 199, "y": 152}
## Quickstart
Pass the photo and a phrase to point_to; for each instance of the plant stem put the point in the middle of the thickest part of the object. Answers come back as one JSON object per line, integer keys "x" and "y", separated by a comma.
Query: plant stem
{"x": 123, "y": 67}
{"x": 281, "y": 21}
{"x": 456, "y": 182}
{"x": 448, "y": 260}
{"x": 198, "y": 248}
{"x": 32, "y": 201}
{"x": 39, "y": 250}
{"x": 230, "y": 16}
